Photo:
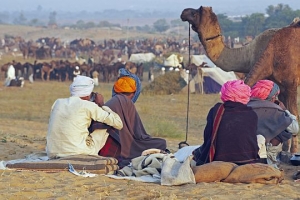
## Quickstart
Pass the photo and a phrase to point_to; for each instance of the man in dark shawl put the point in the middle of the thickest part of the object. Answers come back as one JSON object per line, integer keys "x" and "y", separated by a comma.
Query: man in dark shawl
{"x": 230, "y": 135}
{"x": 133, "y": 138}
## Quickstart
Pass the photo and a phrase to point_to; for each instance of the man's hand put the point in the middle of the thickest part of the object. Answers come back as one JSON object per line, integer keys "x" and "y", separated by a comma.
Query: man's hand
{"x": 99, "y": 99}
{"x": 282, "y": 105}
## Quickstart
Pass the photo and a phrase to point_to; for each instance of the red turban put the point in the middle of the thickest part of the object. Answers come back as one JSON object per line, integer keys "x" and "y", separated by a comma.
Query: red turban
{"x": 236, "y": 91}
{"x": 264, "y": 89}
{"x": 125, "y": 84}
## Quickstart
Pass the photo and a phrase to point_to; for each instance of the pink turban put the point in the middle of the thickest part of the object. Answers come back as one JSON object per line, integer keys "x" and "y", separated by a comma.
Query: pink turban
{"x": 236, "y": 91}
{"x": 264, "y": 89}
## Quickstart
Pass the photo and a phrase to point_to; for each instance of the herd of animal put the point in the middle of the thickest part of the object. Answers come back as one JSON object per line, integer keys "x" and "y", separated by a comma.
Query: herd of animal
{"x": 108, "y": 56}
{"x": 63, "y": 70}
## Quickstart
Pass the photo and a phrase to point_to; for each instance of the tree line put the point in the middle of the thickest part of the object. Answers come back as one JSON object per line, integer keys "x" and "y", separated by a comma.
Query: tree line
{"x": 250, "y": 25}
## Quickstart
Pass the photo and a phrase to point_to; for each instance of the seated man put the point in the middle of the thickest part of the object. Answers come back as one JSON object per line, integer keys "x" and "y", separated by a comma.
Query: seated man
{"x": 230, "y": 132}
{"x": 70, "y": 118}
{"x": 275, "y": 123}
{"x": 133, "y": 137}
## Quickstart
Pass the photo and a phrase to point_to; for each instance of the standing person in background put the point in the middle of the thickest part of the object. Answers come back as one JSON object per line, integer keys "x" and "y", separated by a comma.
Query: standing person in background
{"x": 151, "y": 74}
{"x": 76, "y": 72}
{"x": 11, "y": 75}
{"x": 276, "y": 124}
{"x": 95, "y": 76}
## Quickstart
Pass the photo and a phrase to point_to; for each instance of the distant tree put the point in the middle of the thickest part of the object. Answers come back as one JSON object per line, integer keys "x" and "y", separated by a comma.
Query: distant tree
{"x": 33, "y": 22}
{"x": 52, "y": 18}
{"x": 115, "y": 25}
{"x": 225, "y": 23}
{"x": 177, "y": 22}
{"x": 279, "y": 16}
{"x": 80, "y": 24}
{"x": 145, "y": 28}
{"x": 254, "y": 24}
{"x": 104, "y": 24}
{"x": 90, "y": 25}
{"x": 161, "y": 25}
{"x": 21, "y": 19}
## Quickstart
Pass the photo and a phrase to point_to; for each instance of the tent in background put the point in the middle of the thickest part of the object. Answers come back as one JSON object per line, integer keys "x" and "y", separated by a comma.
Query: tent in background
{"x": 141, "y": 57}
{"x": 199, "y": 59}
{"x": 173, "y": 61}
{"x": 209, "y": 79}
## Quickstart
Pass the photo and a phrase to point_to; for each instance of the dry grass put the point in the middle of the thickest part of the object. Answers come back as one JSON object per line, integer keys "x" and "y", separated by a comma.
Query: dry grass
{"x": 25, "y": 111}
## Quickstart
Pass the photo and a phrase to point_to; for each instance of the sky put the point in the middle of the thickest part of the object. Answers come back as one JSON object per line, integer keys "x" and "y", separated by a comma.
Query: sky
{"x": 219, "y": 6}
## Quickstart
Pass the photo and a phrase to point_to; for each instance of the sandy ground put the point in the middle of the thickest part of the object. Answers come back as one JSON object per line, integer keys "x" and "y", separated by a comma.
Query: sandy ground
{"x": 64, "y": 185}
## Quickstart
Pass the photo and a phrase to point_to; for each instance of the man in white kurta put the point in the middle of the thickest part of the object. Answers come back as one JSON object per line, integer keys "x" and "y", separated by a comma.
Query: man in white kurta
{"x": 11, "y": 75}
{"x": 70, "y": 118}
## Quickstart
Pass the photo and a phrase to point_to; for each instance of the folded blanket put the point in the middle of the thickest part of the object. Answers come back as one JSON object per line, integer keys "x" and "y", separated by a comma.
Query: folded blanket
{"x": 93, "y": 164}
{"x": 144, "y": 165}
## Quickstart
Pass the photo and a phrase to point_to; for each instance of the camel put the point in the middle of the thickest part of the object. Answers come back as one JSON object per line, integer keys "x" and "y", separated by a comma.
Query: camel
{"x": 204, "y": 21}
{"x": 268, "y": 56}
{"x": 46, "y": 69}
{"x": 280, "y": 62}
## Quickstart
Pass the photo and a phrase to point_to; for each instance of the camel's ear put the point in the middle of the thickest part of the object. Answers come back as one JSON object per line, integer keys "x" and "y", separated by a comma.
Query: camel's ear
{"x": 295, "y": 22}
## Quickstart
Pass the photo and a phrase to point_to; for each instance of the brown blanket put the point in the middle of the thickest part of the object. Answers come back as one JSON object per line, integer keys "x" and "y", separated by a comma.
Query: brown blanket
{"x": 92, "y": 164}
{"x": 231, "y": 173}
{"x": 255, "y": 173}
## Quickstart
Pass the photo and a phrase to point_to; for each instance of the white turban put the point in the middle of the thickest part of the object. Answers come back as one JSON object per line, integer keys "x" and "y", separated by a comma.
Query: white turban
{"x": 82, "y": 86}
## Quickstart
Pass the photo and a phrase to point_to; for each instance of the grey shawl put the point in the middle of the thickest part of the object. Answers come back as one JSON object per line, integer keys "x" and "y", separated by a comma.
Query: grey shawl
{"x": 272, "y": 120}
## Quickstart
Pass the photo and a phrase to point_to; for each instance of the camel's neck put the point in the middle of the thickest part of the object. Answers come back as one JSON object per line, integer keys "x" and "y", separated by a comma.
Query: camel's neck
{"x": 213, "y": 46}
{"x": 224, "y": 57}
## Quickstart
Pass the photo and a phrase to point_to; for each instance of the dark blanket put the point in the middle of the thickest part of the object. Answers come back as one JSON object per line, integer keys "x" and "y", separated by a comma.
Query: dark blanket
{"x": 236, "y": 136}
{"x": 133, "y": 136}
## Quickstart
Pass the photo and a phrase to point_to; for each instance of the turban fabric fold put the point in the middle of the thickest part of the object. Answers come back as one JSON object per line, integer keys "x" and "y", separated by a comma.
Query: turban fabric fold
{"x": 82, "y": 86}
{"x": 125, "y": 84}
{"x": 265, "y": 90}
{"x": 236, "y": 91}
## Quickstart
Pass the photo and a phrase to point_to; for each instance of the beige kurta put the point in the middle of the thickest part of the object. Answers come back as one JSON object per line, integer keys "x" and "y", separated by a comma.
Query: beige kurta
{"x": 68, "y": 127}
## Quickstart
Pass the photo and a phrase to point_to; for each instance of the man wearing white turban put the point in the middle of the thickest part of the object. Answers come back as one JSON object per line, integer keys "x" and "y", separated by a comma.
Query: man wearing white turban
{"x": 70, "y": 118}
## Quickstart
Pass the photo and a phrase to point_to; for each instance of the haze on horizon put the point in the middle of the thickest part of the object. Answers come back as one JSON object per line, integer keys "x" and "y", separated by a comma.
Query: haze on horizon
{"x": 229, "y": 7}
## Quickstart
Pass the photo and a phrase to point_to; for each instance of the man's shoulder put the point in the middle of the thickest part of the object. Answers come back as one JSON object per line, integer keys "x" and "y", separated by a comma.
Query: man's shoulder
{"x": 256, "y": 104}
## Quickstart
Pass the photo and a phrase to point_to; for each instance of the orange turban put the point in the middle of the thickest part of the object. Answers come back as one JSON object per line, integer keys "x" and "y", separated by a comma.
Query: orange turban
{"x": 125, "y": 84}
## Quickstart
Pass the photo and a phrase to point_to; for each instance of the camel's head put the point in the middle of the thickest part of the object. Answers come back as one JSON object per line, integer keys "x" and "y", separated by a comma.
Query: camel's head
{"x": 192, "y": 16}
{"x": 199, "y": 17}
